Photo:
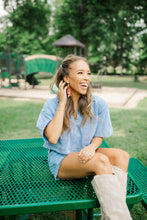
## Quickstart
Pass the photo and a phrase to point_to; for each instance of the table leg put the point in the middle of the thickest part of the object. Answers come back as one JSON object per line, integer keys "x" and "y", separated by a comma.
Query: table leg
{"x": 79, "y": 214}
{"x": 90, "y": 214}
{"x": 12, "y": 217}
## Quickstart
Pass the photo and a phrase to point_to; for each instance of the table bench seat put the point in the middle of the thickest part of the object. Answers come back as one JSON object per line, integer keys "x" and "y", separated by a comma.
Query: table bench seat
{"x": 138, "y": 172}
{"x": 29, "y": 187}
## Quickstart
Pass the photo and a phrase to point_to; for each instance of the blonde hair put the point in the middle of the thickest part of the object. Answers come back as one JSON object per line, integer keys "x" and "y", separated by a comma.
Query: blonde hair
{"x": 84, "y": 103}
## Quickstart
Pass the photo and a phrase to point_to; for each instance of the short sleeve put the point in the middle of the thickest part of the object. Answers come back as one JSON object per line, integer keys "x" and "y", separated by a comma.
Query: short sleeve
{"x": 46, "y": 115}
{"x": 104, "y": 127}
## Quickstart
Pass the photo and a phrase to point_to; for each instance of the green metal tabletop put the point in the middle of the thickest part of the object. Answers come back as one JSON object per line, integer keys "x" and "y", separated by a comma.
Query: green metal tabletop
{"x": 27, "y": 185}
{"x": 138, "y": 172}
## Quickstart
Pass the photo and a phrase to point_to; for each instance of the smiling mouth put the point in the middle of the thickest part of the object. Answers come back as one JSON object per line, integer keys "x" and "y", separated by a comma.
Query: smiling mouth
{"x": 84, "y": 85}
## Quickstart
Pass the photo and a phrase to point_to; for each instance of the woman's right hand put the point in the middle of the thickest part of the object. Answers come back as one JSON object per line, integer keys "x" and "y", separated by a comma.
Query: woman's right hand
{"x": 62, "y": 92}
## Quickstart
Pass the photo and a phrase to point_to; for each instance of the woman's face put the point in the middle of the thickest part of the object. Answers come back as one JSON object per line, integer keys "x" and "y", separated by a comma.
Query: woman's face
{"x": 79, "y": 77}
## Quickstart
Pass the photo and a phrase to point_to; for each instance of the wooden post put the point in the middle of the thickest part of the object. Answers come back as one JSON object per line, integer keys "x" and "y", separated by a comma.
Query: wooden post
{"x": 75, "y": 50}
{"x": 9, "y": 62}
{"x": 80, "y": 51}
{"x": 18, "y": 66}
{"x": 57, "y": 58}
{"x": 63, "y": 53}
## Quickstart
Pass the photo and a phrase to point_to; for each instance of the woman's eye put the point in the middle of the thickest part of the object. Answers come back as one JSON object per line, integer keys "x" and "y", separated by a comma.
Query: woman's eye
{"x": 80, "y": 72}
{"x": 89, "y": 73}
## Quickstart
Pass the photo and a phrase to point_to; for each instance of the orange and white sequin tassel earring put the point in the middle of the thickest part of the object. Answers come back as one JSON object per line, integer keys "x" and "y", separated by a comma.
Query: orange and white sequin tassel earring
{"x": 68, "y": 91}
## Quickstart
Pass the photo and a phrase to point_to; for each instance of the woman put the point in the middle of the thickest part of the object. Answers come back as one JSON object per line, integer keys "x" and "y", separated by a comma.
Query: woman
{"x": 73, "y": 126}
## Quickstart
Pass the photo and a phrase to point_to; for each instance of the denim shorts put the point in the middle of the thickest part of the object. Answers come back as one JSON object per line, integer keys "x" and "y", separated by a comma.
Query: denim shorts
{"x": 54, "y": 161}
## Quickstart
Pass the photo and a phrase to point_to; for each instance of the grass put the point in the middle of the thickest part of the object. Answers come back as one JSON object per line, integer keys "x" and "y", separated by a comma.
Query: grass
{"x": 130, "y": 129}
{"x": 108, "y": 81}
{"x": 120, "y": 81}
{"x": 18, "y": 120}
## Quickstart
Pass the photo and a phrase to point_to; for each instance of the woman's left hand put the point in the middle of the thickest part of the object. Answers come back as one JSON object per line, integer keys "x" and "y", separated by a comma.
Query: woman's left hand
{"x": 86, "y": 154}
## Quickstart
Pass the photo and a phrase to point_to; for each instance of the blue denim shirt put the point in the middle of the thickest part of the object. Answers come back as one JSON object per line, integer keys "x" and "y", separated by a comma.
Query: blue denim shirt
{"x": 79, "y": 136}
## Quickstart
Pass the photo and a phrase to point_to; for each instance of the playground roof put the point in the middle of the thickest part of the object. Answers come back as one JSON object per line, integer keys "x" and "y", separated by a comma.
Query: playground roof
{"x": 68, "y": 41}
{"x": 41, "y": 56}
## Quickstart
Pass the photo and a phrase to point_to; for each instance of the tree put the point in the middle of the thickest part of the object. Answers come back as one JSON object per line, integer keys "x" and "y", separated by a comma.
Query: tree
{"x": 107, "y": 28}
{"x": 70, "y": 18}
{"x": 117, "y": 30}
{"x": 29, "y": 28}
{"x": 141, "y": 61}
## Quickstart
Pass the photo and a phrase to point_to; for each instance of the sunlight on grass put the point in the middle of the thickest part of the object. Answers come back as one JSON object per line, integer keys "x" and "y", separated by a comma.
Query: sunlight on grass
{"x": 119, "y": 133}
{"x": 130, "y": 129}
{"x": 18, "y": 120}
{"x": 120, "y": 81}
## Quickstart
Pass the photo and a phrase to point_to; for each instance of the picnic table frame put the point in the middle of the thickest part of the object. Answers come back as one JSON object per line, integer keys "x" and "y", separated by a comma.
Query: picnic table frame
{"x": 27, "y": 185}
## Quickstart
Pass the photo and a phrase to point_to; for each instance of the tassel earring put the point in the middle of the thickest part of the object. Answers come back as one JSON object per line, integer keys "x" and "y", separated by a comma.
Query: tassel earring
{"x": 68, "y": 91}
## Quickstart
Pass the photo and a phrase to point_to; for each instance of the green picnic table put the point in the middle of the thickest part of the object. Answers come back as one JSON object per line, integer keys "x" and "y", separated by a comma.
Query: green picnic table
{"x": 27, "y": 185}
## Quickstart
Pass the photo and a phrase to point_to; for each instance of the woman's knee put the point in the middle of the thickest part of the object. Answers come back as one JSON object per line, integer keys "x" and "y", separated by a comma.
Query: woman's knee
{"x": 121, "y": 155}
{"x": 102, "y": 164}
{"x": 120, "y": 158}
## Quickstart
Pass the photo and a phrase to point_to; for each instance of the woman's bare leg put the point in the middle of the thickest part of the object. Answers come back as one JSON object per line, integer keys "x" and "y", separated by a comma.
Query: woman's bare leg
{"x": 117, "y": 157}
{"x": 100, "y": 164}
{"x": 71, "y": 167}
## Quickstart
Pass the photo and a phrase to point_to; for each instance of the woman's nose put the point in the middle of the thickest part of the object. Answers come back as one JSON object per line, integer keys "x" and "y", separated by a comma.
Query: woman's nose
{"x": 87, "y": 77}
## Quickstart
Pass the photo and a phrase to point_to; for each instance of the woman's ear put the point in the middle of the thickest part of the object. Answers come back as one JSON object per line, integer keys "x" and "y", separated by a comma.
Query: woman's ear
{"x": 66, "y": 79}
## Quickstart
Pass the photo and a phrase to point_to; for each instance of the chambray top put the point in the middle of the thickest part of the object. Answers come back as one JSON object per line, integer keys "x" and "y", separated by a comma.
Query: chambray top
{"x": 79, "y": 136}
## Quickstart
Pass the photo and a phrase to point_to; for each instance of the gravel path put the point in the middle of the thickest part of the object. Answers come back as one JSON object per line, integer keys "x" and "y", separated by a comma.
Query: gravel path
{"x": 115, "y": 97}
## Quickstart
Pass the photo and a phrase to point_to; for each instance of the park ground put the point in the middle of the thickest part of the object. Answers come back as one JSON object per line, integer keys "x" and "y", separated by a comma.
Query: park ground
{"x": 19, "y": 109}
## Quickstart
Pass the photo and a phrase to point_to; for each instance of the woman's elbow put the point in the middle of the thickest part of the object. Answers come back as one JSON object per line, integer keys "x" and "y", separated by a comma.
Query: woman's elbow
{"x": 52, "y": 140}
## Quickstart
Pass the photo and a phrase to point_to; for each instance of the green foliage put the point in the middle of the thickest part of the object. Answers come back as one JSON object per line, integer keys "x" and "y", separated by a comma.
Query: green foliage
{"x": 30, "y": 26}
{"x": 116, "y": 30}
{"x": 31, "y": 17}
{"x": 70, "y": 18}
{"x": 141, "y": 62}
{"x": 107, "y": 28}
{"x": 3, "y": 43}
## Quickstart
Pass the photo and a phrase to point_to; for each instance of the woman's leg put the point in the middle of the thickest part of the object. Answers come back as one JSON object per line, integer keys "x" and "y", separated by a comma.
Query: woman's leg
{"x": 109, "y": 194}
{"x": 122, "y": 177}
{"x": 106, "y": 185}
{"x": 117, "y": 157}
{"x": 71, "y": 167}
{"x": 100, "y": 164}
{"x": 119, "y": 160}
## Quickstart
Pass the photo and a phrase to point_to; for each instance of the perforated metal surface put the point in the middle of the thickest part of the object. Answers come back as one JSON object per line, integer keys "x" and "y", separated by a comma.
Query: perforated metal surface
{"x": 138, "y": 171}
{"x": 27, "y": 186}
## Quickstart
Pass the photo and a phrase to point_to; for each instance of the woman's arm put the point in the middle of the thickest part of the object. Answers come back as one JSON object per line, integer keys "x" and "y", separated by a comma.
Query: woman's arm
{"x": 54, "y": 128}
{"x": 96, "y": 142}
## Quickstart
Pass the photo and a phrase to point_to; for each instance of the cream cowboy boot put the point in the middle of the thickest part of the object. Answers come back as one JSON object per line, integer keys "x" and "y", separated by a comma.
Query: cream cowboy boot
{"x": 110, "y": 196}
{"x": 122, "y": 178}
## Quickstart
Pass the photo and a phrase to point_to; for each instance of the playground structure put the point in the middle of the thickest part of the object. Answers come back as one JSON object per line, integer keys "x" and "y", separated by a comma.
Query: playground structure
{"x": 14, "y": 65}
{"x": 24, "y": 67}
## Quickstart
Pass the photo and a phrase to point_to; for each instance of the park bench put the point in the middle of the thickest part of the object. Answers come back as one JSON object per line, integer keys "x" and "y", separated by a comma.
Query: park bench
{"x": 27, "y": 185}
